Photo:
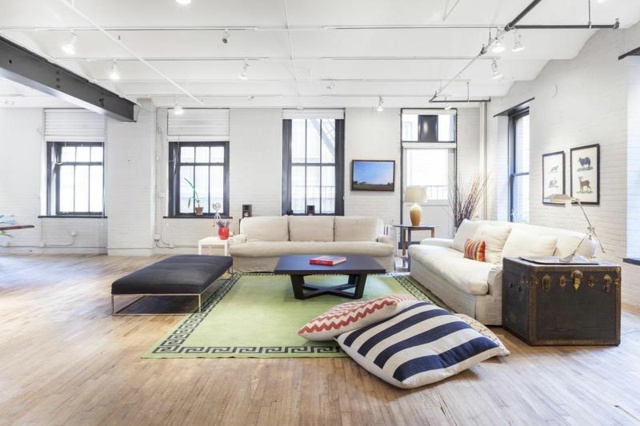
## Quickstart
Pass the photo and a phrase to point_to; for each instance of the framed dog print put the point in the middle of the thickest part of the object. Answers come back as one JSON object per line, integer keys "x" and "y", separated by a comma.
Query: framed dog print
{"x": 552, "y": 174}
{"x": 585, "y": 174}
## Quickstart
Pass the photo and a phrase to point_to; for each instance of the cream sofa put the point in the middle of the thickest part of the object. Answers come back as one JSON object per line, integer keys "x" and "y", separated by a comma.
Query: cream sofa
{"x": 263, "y": 239}
{"x": 473, "y": 287}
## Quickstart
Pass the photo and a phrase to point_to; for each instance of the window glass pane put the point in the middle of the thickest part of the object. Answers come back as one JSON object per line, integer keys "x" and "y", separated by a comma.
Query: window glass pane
{"x": 187, "y": 154}
{"x": 217, "y": 188}
{"x": 430, "y": 168}
{"x": 409, "y": 127}
{"x": 83, "y": 154}
{"x": 328, "y": 141}
{"x": 217, "y": 154}
{"x": 202, "y": 154}
{"x": 313, "y": 141}
{"x": 96, "y": 154}
{"x": 82, "y": 188}
{"x": 66, "y": 188}
{"x": 522, "y": 145}
{"x": 68, "y": 154}
{"x": 328, "y": 194}
{"x": 186, "y": 172}
{"x": 95, "y": 204}
{"x": 298, "y": 141}
{"x": 313, "y": 187}
{"x": 202, "y": 185}
{"x": 298, "y": 201}
{"x": 520, "y": 204}
{"x": 446, "y": 128}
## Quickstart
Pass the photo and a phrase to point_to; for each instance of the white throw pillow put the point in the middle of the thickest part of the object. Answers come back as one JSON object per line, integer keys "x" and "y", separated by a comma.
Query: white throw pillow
{"x": 494, "y": 237}
{"x": 465, "y": 231}
{"x": 422, "y": 344}
{"x": 523, "y": 243}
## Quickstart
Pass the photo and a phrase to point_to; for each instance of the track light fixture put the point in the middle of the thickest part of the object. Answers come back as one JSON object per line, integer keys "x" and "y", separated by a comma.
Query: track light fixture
{"x": 183, "y": 2}
{"x": 114, "y": 74}
{"x": 496, "y": 72}
{"x": 243, "y": 73}
{"x": 331, "y": 85}
{"x": 178, "y": 110}
{"x": 517, "y": 42}
{"x": 70, "y": 48}
{"x": 380, "y": 102}
{"x": 498, "y": 47}
{"x": 225, "y": 36}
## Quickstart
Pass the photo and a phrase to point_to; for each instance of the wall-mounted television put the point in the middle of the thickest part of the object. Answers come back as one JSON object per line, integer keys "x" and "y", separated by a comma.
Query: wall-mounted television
{"x": 373, "y": 175}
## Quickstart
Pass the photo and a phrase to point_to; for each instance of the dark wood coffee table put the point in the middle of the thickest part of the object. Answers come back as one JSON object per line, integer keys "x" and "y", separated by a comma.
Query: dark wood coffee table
{"x": 357, "y": 267}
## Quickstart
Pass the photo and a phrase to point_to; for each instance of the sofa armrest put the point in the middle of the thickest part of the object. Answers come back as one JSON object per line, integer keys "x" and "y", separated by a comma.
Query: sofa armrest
{"x": 441, "y": 242}
{"x": 385, "y": 239}
{"x": 494, "y": 279}
{"x": 238, "y": 239}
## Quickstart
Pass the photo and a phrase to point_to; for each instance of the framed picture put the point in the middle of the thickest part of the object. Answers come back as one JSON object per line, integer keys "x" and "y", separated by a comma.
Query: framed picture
{"x": 373, "y": 175}
{"x": 552, "y": 174}
{"x": 585, "y": 174}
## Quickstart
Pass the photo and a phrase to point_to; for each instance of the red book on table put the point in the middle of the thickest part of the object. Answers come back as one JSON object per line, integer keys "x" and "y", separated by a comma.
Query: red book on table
{"x": 327, "y": 260}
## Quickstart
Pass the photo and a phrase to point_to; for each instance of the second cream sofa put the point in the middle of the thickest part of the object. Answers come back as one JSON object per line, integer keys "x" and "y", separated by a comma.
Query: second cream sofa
{"x": 263, "y": 239}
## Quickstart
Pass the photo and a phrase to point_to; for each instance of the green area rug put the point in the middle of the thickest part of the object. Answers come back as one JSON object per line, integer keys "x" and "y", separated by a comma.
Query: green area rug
{"x": 256, "y": 316}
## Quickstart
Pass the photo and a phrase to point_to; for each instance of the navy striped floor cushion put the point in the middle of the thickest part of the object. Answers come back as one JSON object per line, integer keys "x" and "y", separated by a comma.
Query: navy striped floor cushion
{"x": 420, "y": 345}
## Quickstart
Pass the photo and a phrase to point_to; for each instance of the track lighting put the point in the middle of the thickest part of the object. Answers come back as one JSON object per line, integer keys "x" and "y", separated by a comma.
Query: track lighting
{"x": 498, "y": 47}
{"x": 243, "y": 74}
{"x": 70, "y": 48}
{"x": 178, "y": 110}
{"x": 517, "y": 42}
{"x": 380, "y": 102}
{"x": 225, "y": 36}
{"x": 114, "y": 74}
{"x": 331, "y": 85}
{"x": 496, "y": 72}
{"x": 183, "y": 2}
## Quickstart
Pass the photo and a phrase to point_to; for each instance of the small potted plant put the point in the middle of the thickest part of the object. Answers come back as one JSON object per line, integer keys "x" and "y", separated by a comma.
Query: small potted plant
{"x": 223, "y": 228}
{"x": 196, "y": 199}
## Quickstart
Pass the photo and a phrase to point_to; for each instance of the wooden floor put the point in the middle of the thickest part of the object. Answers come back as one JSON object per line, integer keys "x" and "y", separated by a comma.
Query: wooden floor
{"x": 65, "y": 360}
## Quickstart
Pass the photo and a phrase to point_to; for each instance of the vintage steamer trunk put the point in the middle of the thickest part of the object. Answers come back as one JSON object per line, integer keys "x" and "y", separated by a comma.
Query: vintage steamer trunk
{"x": 562, "y": 304}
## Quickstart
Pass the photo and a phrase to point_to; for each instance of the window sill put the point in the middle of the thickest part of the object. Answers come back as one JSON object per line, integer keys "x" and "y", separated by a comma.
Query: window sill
{"x": 193, "y": 216}
{"x": 71, "y": 216}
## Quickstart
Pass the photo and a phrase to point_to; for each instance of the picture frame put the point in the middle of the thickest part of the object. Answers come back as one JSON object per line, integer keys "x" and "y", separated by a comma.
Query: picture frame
{"x": 553, "y": 181}
{"x": 585, "y": 173}
{"x": 373, "y": 175}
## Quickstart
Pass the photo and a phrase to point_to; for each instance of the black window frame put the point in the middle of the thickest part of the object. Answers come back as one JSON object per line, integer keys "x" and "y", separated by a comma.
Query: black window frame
{"x": 54, "y": 165}
{"x": 175, "y": 178}
{"x": 513, "y": 147}
{"x": 287, "y": 166}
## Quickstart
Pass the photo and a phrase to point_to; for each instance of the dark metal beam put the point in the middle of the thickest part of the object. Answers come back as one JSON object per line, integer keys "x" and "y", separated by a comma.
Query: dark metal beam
{"x": 634, "y": 52}
{"x": 25, "y": 67}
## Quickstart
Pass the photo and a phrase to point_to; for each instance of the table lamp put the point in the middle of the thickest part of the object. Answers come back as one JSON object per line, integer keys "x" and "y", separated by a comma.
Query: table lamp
{"x": 416, "y": 195}
{"x": 591, "y": 230}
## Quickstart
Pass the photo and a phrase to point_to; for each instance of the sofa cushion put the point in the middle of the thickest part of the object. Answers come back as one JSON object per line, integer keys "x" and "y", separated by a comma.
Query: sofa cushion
{"x": 265, "y": 228}
{"x": 357, "y": 228}
{"x": 465, "y": 231}
{"x": 523, "y": 243}
{"x": 279, "y": 248}
{"x": 474, "y": 250}
{"x": 423, "y": 344}
{"x": 494, "y": 237}
{"x": 311, "y": 228}
{"x": 353, "y": 315}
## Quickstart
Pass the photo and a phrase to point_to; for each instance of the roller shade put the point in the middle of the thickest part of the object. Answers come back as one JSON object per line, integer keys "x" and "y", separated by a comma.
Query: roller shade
{"x": 311, "y": 114}
{"x": 198, "y": 125}
{"x": 73, "y": 125}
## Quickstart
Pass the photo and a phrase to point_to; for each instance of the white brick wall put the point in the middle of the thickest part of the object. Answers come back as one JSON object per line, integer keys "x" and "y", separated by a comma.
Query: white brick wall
{"x": 590, "y": 107}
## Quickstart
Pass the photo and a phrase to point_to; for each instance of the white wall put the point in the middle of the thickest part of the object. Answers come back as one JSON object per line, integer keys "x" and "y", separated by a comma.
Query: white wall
{"x": 577, "y": 102}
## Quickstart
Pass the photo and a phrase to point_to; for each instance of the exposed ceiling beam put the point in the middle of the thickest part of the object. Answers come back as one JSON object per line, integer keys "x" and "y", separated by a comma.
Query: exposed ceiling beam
{"x": 25, "y": 67}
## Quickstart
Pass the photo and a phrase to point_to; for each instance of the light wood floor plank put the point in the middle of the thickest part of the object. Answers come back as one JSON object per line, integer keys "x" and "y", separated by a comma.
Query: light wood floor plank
{"x": 65, "y": 360}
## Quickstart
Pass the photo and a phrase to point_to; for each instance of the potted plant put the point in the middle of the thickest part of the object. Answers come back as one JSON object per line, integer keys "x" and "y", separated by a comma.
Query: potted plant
{"x": 223, "y": 228}
{"x": 196, "y": 199}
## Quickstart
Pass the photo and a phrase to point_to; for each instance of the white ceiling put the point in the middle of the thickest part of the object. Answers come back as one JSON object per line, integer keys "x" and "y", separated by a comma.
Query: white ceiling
{"x": 329, "y": 53}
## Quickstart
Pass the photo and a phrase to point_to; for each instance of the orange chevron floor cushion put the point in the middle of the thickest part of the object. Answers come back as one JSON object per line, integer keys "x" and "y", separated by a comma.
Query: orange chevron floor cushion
{"x": 353, "y": 315}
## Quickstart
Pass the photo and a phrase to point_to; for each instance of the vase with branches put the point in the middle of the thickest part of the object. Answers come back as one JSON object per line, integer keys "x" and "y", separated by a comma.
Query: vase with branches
{"x": 465, "y": 198}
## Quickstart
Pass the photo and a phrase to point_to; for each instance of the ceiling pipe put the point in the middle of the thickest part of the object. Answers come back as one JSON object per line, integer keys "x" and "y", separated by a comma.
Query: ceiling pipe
{"x": 511, "y": 25}
{"x": 614, "y": 26}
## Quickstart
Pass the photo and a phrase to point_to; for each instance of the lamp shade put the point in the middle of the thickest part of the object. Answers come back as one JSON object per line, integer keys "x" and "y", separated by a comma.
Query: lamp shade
{"x": 415, "y": 194}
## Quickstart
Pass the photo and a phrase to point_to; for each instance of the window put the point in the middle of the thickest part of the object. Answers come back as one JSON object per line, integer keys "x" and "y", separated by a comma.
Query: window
{"x": 519, "y": 167}
{"x": 429, "y": 143}
{"x": 206, "y": 166}
{"x": 75, "y": 180}
{"x": 313, "y": 166}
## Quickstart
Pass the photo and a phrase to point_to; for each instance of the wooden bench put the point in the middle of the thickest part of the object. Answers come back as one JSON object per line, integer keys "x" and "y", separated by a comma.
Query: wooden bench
{"x": 184, "y": 275}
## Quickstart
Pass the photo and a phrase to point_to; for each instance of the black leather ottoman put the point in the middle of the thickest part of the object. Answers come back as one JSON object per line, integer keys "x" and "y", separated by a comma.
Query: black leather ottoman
{"x": 184, "y": 275}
